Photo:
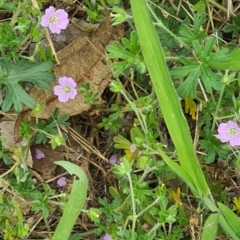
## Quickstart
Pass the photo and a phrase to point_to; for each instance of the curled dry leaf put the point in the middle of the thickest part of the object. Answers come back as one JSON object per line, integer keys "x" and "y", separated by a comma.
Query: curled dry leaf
{"x": 84, "y": 61}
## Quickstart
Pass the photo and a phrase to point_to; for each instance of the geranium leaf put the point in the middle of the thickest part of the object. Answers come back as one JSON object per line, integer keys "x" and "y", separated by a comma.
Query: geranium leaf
{"x": 35, "y": 73}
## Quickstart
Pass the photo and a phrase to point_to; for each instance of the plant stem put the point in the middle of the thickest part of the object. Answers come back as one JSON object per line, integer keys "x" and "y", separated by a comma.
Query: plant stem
{"x": 217, "y": 107}
{"x": 155, "y": 228}
{"x": 148, "y": 207}
{"x": 161, "y": 25}
{"x": 134, "y": 217}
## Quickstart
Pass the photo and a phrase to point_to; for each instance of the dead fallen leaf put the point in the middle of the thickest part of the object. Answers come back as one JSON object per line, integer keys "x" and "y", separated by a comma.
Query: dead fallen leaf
{"x": 83, "y": 60}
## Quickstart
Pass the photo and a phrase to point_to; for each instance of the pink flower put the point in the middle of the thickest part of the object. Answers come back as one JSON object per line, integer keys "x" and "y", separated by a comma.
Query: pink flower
{"x": 61, "y": 182}
{"x": 55, "y": 20}
{"x": 229, "y": 132}
{"x": 39, "y": 154}
{"x": 66, "y": 89}
{"x": 106, "y": 237}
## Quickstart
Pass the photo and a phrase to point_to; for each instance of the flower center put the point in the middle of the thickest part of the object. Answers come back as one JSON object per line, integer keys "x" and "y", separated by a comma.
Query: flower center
{"x": 232, "y": 132}
{"x": 53, "y": 19}
{"x": 66, "y": 89}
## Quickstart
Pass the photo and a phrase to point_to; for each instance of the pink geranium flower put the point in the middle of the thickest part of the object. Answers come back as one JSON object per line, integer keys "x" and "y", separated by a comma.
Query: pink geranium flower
{"x": 66, "y": 89}
{"x": 229, "y": 132}
{"x": 56, "y": 20}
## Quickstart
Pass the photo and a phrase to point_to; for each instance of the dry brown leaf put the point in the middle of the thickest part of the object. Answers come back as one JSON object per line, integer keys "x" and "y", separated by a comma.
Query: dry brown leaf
{"x": 84, "y": 61}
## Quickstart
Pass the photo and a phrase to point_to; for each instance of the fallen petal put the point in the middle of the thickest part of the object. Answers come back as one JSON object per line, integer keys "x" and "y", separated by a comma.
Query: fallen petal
{"x": 61, "y": 182}
{"x": 106, "y": 237}
{"x": 113, "y": 159}
{"x": 39, "y": 154}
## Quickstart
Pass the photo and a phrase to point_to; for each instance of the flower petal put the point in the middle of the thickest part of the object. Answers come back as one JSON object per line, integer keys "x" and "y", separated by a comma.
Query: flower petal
{"x": 223, "y": 128}
{"x": 58, "y": 90}
{"x": 39, "y": 154}
{"x": 106, "y": 237}
{"x": 61, "y": 182}
{"x": 235, "y": 141}
{"x": 72, "y": 93}
{"x": 50, "y": 11}
{"x": 62, "y": 81}
{"x": 62, "y": 24}
{"x": 113, "y": 159}
{"x": 232, "y": 124}
{"x": 70, "y": 82}
{"x": 54, "y": 28}
{"x": 44, "y": 21}
{"x": 61, "y": 14}
{"x": 223, "y": 138}
{"x": 63, "y": 98}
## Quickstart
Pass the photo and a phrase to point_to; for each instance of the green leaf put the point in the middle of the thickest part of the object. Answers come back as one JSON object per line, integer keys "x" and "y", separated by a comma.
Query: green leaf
{"x": 186, "y": 33}
{"x": 180, "y": 72}
{"x": 210, "y": 80}
{"x": 188, "y": 87}
{"x": 128, "y": 54}
{"x": 165, "y": 92}
{"x": 199, "y": 7}
{"x": 230, "y": 63}
{"x": 236, "y": 20}
{"x": 117, "y": 51}
{"x": 198, "y": 49}
{"x": 121, "y": 142}
{"x": 231, "y": 217}
{"x": 208, "y": 47}
{"x": 35, "y": 73}
{"x": 210, "y": 227}
{"x": 180, "y": 171}
{"x": 77, "y": 199}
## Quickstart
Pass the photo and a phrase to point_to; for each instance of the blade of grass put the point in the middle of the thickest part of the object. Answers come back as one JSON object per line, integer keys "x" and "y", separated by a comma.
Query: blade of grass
{"x": 166, "y": 94}
{"x": 75, "y": 203}
{"x": 210, "y": 227}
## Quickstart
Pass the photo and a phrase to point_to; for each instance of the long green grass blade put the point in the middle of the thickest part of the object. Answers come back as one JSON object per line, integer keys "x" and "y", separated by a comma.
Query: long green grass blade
{"x": 210, "y": 227}
{"x": 231, "y": 217}
{"x": 166, "y": 94}
{"x": 223, "y": 218}
{"x": 76, "y": 201}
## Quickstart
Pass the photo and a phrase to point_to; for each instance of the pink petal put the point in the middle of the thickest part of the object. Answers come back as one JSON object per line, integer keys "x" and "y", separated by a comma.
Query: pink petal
{"x": 223, "y": 138}
{"x": 39, "y": 154}
{"x": 234, "y": 142}
{"x": 58, "y": 90}
{"x": 63, "y": 98}
{"x": 44, "y": 21}
{"x": 61, "y": 182}
{"x": 232, "y": 124}
{"x": 50, "y": 11}
{"x": 62, "y": 81}
{"x": 62, "y": 24}
{"x": 107, "y": 237}
{"x": 54, "y": 28}
{"x": 223, "y": 128}
{"x": 113, "y": 159}
{"x": 70, "y": 82}
{"x": 61, "y": 14}
{"x": 72, "y": 93}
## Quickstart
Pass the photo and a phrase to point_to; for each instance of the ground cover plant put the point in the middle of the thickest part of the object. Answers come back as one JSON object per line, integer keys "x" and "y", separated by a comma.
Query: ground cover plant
{"x": 119, "y": 120}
